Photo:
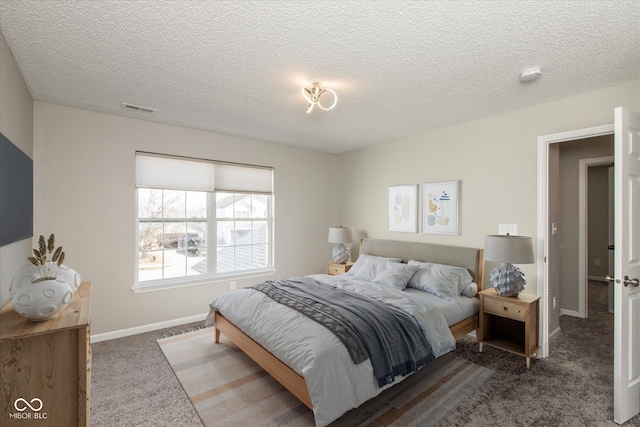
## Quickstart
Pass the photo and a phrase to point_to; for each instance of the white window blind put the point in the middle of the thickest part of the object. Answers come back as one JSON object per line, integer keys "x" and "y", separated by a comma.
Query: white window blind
{"x": 241, "y": 178}
{"x": 179, "y": 173}
{"x": 174, "y": 173}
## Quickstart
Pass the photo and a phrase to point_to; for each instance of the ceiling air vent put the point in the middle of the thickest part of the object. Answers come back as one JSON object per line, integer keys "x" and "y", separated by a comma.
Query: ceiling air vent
{"x": 138, "y": 108}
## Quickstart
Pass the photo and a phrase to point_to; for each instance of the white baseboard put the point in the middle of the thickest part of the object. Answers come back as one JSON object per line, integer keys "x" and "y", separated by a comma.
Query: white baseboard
{"x": 570, "y": 313}
{"x": 555, "y": 332}
{"x": 146, "y": 328}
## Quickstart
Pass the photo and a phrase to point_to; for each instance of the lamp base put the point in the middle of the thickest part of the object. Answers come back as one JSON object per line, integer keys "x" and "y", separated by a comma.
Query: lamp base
{"x": 340, "y": 253}
{"x": 508, "y": 280}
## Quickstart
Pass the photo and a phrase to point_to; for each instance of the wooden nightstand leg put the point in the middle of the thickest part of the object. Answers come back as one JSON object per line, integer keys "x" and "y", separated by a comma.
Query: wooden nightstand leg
{"x": 528, "y": 362}
{"x": 480, "y": 347}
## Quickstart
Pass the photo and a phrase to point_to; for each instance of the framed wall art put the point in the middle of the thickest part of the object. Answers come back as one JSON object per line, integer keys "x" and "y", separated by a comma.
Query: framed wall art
{"x": 440, "y": 207}
{"x": 403, "y": 208}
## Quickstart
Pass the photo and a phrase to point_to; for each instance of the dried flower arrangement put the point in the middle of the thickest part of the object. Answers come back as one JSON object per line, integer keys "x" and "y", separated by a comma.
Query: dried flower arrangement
{"x": 48, "y": 269}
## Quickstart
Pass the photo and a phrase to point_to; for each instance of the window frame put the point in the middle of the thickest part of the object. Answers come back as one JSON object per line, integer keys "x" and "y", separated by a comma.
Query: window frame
{"x": 212, "y": 243}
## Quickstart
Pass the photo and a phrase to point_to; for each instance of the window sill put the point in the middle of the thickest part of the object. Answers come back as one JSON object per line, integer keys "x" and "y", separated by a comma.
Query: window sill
{"x": 137, "y": 289}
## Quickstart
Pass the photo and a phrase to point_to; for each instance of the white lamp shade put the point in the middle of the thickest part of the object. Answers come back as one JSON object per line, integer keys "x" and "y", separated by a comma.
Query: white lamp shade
{"x": 340, "y": 234}
{"x": 508, "y": 249}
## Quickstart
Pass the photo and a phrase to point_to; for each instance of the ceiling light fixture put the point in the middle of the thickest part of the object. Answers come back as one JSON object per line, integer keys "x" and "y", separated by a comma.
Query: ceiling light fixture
{"x": 312, "y": 94}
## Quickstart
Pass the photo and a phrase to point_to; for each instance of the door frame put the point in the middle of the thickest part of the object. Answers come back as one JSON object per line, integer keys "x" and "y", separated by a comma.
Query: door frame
{"x": 583, "y": 230}
{"x": 543, "y": 218}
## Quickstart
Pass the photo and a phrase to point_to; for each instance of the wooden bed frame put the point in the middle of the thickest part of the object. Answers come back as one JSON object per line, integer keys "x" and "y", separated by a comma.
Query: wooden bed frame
{"x": 470, "y": 258}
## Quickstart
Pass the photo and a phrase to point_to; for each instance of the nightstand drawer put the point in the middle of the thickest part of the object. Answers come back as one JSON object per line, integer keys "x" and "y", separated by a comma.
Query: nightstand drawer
{"x": 333, "y": 268}
{"x": 504, "y": 309}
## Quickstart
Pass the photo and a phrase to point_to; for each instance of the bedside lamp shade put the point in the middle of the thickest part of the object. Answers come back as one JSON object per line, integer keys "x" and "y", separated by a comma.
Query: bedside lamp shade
{"x": 508, "y": 250}
{"x": 340, "y": 235}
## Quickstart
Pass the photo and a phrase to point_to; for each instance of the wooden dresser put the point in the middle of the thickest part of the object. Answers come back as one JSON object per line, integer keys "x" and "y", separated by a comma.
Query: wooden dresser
{"x": 45, "y": 366}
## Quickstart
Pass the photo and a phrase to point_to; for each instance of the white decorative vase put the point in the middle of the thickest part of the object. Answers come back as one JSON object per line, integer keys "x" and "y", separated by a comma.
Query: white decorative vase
{"x": 70, "y": 276}
{"x": 42, "y": 300}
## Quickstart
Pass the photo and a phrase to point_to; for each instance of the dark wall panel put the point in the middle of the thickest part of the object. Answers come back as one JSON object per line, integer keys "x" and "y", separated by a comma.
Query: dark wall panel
{"x": 16, "y": 193}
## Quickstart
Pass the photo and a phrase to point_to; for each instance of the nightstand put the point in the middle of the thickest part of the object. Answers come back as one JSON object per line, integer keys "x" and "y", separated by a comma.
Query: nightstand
{"x": 510, "y": 323}
{"x": 333, "y": 268}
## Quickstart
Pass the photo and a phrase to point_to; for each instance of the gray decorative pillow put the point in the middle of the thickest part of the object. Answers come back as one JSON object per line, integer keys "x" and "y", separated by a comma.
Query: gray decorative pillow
{"x": 471, "y": 290}
{"x": 362, "y": 259}
{"x": 396, "y": 275}
{"x": 442, "y": 280}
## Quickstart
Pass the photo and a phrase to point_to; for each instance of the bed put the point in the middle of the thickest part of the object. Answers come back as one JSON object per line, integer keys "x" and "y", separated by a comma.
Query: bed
{"x": 320, "y": 372}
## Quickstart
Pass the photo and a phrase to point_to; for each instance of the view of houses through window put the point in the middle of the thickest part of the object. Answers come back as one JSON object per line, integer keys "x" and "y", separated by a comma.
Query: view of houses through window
{"x": 176, "y": 229}
{"x": 242, "y": 232}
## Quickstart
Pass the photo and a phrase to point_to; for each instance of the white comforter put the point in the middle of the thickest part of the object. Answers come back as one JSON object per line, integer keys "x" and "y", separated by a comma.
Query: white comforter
{"x": 335, "y": 383}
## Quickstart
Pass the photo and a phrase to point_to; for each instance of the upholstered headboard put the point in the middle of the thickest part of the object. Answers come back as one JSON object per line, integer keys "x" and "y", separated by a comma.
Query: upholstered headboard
{"x": 469, "y": 258}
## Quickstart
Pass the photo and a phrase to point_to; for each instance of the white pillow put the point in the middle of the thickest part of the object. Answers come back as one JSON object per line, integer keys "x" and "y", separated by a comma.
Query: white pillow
{"x": 442, "y": 280}
{"x": 371, "y": 268}
{"x": 471, "y": 290}
{"x": 355, "y": 268}
{"x": 396, "y": 275}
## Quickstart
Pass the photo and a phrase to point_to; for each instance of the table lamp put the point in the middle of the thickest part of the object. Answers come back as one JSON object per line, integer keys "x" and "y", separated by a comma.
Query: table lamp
{"x": 506, "y": 278}
{"x": 340, "y": 235}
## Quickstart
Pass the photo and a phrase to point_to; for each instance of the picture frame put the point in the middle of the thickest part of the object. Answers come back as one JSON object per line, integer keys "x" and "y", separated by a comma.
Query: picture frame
{"x": 403, "y": 208}
{"x": 440, "y": 207}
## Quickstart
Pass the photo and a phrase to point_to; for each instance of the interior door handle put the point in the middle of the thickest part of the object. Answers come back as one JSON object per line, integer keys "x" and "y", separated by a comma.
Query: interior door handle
{"x": 611, "y": 279}
{"x": 635, "y": 282}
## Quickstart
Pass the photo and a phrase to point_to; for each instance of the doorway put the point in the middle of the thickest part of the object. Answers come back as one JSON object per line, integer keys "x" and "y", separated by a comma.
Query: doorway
{"x": 582, "y": 245}
{"x": 558, "y": 223}
{"x": 575, "y": 256}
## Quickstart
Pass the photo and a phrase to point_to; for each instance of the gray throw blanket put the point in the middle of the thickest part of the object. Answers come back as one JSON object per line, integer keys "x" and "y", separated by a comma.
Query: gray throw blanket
{"x": 368, "y": 328}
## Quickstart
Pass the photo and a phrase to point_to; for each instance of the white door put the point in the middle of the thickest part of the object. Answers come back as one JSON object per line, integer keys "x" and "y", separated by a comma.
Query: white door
{"x": 626, "y": 359}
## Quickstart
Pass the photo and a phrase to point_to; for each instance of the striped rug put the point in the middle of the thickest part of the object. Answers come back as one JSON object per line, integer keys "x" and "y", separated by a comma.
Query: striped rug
{"x": 229, "y": 389}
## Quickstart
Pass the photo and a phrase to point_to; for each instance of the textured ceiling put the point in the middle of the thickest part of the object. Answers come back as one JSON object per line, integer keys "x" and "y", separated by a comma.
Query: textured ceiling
{"x": 399, "y": 68}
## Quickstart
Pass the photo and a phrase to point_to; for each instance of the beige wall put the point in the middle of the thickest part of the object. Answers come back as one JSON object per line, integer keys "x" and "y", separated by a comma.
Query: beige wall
{"x": 494, "y": 158}
{"x": 84, "y": 186}
{"x": 16, "y": 123}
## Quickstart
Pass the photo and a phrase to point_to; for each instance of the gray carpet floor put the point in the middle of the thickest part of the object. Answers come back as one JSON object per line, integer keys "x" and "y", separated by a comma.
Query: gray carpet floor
{"x": 133, "y": 385}
{"x": 572, "y": 387}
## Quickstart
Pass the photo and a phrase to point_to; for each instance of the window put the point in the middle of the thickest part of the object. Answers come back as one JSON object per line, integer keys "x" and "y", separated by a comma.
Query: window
{"x": 242, "y": 230}
{"x": 198, "y": 220}
{"x": 172, "y": 226}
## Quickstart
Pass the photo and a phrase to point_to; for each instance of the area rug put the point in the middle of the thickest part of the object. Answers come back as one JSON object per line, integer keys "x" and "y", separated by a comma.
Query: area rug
{"x": 227, "y": 388}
